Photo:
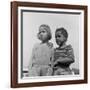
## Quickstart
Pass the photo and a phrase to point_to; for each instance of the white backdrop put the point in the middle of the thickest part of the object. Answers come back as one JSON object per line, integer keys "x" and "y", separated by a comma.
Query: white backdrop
{"x": 5, "y": 47}
{"x": 32, "y": 21}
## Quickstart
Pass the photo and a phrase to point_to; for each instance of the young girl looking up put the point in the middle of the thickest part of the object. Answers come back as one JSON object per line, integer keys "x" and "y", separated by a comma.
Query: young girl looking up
{"x": 42, "y": 53}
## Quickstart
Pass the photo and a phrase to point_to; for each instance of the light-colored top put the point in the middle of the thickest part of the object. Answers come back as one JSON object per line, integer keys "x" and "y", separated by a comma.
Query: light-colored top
{"x": 42, "y": 54}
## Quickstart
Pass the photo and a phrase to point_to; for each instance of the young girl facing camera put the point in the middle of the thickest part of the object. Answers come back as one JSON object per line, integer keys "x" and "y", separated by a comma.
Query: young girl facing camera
{"x": 42, "y": 54}
{"x": 63, "y": 54}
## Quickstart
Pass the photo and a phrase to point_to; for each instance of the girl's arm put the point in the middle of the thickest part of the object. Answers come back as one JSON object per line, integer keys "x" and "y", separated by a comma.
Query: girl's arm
{"x": 33, "y": 57}
{"x": 68, "y": 59}
{"x": 52, "y": 57}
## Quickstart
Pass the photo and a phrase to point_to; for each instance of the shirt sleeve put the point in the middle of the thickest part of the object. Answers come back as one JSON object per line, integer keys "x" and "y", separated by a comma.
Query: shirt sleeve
{"x": 70, "y": 53}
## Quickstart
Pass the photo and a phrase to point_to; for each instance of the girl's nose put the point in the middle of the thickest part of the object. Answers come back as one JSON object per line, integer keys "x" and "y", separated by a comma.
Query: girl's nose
{"x": 41, "y": 34}
{"x": 57, "y": 38}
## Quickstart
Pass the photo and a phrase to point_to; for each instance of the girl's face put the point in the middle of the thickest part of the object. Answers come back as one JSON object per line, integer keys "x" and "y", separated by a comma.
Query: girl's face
{"x": 60, "y": 39}
{"x": 43, "y": 35}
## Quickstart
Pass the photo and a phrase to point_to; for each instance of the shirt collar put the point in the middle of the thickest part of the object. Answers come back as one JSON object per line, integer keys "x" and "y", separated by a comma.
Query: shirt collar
{"x": 63, "y": 46}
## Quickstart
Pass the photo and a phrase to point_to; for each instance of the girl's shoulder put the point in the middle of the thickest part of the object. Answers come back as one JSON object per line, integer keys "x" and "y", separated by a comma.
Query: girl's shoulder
{"x": 68, "y": 47}
{"x": 36, "y": 45}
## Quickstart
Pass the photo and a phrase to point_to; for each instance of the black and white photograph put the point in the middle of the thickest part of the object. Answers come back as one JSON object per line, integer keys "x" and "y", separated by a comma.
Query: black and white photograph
{"x": 50, "y": 44}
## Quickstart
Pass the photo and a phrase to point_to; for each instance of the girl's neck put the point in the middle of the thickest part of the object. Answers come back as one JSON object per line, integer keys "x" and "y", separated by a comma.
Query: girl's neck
{"x": 43, "y": 42}
{"x": 62, "y": 45}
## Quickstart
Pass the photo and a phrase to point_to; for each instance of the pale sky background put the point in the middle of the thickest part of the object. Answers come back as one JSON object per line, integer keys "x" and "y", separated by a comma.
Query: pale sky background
{"x": 31, "y": 23}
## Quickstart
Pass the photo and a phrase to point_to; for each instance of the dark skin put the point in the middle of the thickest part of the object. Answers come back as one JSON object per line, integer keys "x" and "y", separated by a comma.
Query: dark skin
{"x": 61, "y": 40}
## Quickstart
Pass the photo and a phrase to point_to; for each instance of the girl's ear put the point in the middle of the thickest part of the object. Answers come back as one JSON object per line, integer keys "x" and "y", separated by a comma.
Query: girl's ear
{"x": 49, "y": 36}
{"x": 65, "y": 40}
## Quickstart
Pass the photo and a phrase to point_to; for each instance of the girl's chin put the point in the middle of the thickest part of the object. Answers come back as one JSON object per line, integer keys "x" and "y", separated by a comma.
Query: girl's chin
{"x": 44, "y": 41}
{"x": 59, "y": 44}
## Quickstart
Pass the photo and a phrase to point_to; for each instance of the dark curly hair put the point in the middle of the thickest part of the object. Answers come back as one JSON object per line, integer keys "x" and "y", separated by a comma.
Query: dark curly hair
{"x": 63, "y": 31}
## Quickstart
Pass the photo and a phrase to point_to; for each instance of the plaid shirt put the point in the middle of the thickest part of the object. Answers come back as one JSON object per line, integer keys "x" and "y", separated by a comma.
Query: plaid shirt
{"x": 63, "y": 56}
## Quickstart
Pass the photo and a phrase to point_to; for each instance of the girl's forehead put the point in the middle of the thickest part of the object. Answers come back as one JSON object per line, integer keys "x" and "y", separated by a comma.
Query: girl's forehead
{"x": 42, "y": 29}
{"x": 58, "y": 32}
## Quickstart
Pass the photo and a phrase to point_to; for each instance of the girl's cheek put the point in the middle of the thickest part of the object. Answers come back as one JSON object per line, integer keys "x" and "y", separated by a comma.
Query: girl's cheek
{"x": 39, "y": 36}
{"x": 47, "y": 36}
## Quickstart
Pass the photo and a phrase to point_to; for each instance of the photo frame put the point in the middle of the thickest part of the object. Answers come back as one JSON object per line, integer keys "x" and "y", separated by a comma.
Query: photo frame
{"x": 26, "y": 18}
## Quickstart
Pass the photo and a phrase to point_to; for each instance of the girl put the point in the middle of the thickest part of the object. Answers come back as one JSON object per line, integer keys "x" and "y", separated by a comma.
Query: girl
{"x": 63, "y": 54}
{"x": 42, "y": 54}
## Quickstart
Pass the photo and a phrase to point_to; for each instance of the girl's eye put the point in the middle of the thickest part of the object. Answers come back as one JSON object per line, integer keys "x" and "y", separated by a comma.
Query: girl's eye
{"x": 43, "y": 31}
{"x": 39, "y": 32}
{"x": 58, "y": 36}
